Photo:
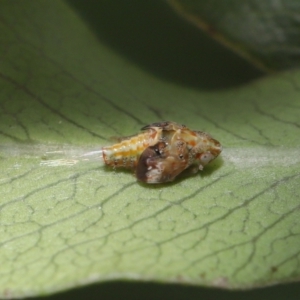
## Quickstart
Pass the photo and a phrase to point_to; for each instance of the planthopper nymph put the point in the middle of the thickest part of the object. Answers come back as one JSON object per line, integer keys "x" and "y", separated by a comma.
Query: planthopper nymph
{"x": 162, "y": 151}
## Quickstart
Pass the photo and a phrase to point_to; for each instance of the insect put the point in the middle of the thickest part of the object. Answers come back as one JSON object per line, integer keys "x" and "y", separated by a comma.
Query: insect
{"x": 162, "y": 151}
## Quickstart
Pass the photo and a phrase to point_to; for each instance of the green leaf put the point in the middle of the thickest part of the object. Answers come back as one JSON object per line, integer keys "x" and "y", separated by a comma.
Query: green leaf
{"x": 265, "y": 32}
{"x": 66, "y": 220}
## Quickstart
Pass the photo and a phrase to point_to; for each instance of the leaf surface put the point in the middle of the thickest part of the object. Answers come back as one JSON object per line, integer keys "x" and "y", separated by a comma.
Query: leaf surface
{"x": 66, "y": 220}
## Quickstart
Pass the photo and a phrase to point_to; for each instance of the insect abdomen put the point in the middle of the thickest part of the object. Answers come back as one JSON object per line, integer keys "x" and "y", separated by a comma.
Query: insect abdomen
{"x": 127, "y": 152}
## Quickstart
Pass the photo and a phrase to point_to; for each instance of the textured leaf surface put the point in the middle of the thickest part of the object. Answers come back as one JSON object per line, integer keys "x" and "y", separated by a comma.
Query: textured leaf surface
{"x": 67, "y": 221}
{"x": 264, "y": 31}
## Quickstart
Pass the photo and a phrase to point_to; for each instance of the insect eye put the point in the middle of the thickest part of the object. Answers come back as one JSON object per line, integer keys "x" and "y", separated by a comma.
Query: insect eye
{"x": 181, "y": 156}
{"x": 206, "y": 157}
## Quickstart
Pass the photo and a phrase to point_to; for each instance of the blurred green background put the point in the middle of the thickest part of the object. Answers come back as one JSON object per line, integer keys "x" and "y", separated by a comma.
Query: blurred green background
{"x": 151, "y": 291}
{"x": 151, "y": 35}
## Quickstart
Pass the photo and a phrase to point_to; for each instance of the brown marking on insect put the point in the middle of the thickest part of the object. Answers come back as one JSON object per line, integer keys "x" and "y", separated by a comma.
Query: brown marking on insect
{"x": 151, "y": 157}
{"x": 162, "y": 151}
